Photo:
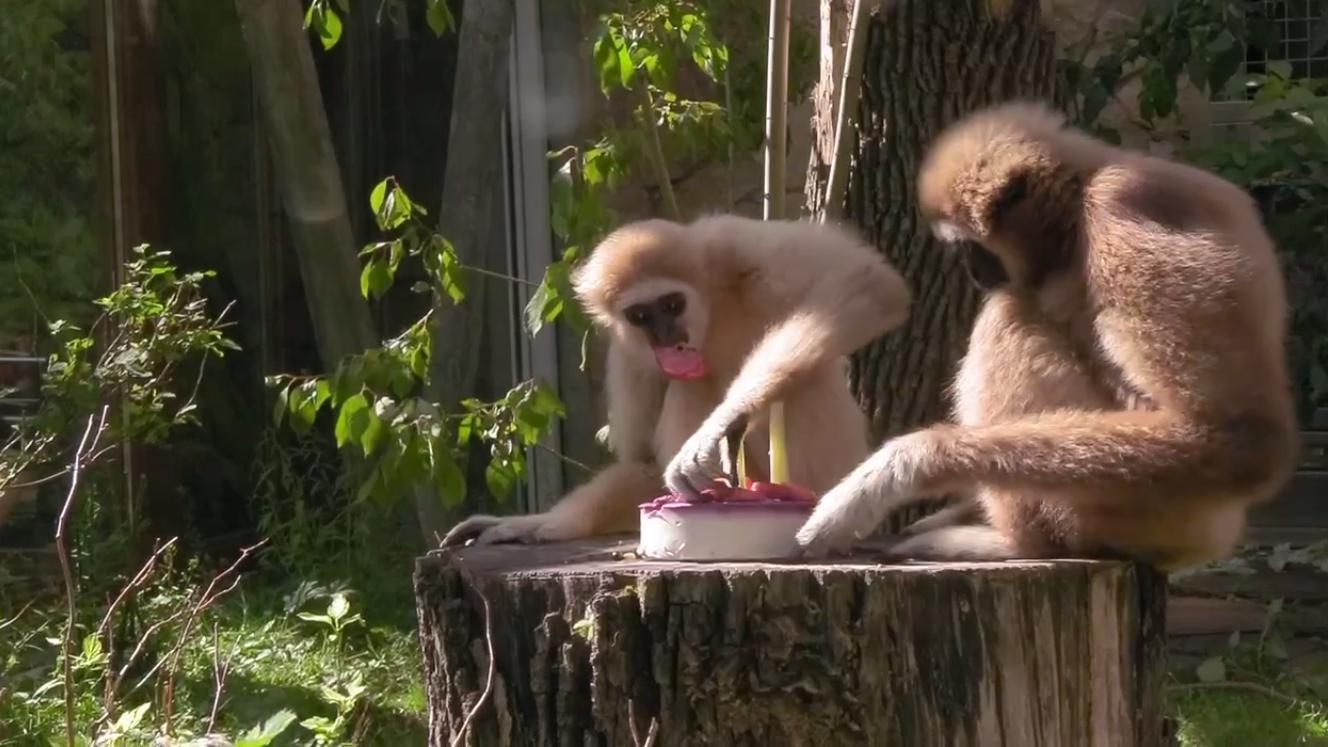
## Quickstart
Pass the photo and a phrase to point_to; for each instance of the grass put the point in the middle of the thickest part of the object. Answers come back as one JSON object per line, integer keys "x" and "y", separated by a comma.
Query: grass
{"x": 1235, "y": 718}
{"x": 277, "y": 660}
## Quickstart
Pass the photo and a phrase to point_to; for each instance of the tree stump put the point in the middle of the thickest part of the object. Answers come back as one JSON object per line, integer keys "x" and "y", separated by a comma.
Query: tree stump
{"x": 594, "y": 646}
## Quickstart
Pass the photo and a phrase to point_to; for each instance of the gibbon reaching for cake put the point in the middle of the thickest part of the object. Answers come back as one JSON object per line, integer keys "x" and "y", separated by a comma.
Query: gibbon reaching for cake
{"x": 709, "y": 323}
{"x": 1124, "y": 392}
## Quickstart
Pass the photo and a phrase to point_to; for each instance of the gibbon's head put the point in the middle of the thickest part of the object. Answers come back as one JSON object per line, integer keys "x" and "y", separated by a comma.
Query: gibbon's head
{"x": 646, "y": 285}
{"x": 1004, "y": 187}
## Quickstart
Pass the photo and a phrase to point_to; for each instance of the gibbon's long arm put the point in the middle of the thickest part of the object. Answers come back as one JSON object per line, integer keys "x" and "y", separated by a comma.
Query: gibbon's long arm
{"x": 608, "y": 502}
{"x": 836, "y": 294}
{"x": 1125, "y": 456}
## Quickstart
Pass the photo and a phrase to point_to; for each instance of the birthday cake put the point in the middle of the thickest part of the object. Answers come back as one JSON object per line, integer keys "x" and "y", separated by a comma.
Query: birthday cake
{"x": 754, "y": 523}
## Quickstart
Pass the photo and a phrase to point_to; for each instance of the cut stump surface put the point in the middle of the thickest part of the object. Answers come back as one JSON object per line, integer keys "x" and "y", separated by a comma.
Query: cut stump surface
{"x": 595, "y": 646}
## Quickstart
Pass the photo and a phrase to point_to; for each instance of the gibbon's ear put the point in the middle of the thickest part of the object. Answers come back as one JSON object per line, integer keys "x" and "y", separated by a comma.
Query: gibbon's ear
{"x": 1008, "y": 196}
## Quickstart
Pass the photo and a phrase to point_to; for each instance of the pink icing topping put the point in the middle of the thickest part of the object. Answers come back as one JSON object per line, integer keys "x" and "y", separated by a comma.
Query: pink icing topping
{"x": 721, "y": 496}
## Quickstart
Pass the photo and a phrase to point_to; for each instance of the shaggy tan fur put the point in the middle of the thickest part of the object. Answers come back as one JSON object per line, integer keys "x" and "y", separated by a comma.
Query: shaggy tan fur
{"x": 774, "y": 308}
{"x": 1125, "y": 392}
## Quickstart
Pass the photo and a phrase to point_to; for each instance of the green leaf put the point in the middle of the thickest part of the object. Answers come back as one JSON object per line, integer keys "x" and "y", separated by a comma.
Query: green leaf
{"x": 1225, "y": 60}
{"x": 129, "y": 720}
{"x": 453, "y": 275}
{"x": 352, "y": 419}
{"x": 329, "y": 27}
{"x": 376, "y": 278}
{"x": 439, "y": 17}
{"x": 451, "y": 481}
{"x": 500, "y": 478}
{"x": 373, "y": 433}
{"x": 339, "y": 606}
{"x": 279, "y": 411}
{"x": 263, "y": 734}
{"x": 377, "y": 195}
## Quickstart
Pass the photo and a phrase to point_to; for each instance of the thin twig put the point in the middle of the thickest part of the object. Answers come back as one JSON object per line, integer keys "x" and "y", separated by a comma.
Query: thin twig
{"x": 499, "y": 275}
{"x": 655, "y": 151}
{"x": 488, "y": 682}
{"x": 136, "y": 582}
{"x": 208, "y": 597}
{"x": 1253, "y": 687}
{"x": 87, "y": 460}
{"x": 15, "y": 618}
{"x": 651, "y": 734}
{"x": 574, "y": 462}
{"x": 220, "y": 668}
{"x": 67, "y": 571}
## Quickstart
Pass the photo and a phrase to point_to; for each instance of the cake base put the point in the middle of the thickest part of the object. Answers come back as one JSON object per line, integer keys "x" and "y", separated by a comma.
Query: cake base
{"x": 732, "y": 524}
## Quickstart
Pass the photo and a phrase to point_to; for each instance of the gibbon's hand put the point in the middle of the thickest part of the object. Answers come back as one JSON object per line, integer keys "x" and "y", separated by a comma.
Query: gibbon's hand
{"x": 855, "y": 507}
{"x": 488, "y": 530}
{"x": 697, "y": 464}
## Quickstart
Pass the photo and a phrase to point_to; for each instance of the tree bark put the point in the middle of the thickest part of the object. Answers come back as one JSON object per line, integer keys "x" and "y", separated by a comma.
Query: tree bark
{"x": 927, "y": 64}
{"x": 471, "y": 216}
{"x": 589, "y": 646}
{"x": 307, "y": 175}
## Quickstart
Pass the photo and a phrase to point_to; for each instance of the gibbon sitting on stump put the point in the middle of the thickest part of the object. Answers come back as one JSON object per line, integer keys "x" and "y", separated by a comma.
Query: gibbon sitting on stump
{"x": 709, "y": 323}
{"x": 1124, "y": 392}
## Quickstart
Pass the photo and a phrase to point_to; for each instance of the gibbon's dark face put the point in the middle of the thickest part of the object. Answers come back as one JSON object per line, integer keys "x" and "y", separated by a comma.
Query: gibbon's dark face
{"x": 984, "y": 268}
{"x": 662, "y": 320}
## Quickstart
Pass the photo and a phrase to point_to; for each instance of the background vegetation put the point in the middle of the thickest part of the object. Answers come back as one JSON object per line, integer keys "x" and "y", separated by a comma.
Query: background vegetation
{"x": 308, "y": 636}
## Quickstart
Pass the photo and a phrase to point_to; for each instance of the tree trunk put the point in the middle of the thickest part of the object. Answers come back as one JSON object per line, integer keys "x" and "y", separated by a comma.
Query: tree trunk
{"x": 307, "y": 174}
{"x": 471, "y": 216}
{"x": 589, "y": 646}
{"x": 927, "y": 63}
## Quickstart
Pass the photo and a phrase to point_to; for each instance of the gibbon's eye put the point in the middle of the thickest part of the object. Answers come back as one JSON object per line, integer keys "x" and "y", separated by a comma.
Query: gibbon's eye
{"x": 637, "y": 315}
{"x": 672, "y": 304}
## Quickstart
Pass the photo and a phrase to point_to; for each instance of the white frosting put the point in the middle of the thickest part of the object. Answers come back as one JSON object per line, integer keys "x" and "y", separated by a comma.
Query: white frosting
{"x": 724, "y": 532}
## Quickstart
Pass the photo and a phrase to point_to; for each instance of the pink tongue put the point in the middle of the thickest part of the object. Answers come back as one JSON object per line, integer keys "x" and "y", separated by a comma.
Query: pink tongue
{"x": 680, "y": 362}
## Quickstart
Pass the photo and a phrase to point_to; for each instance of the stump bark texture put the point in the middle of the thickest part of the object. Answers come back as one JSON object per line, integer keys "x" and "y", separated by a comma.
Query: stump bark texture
{"x": 591, "y": 646}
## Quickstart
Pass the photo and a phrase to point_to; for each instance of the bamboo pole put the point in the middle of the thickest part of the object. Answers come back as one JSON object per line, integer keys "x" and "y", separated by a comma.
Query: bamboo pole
{"x": 776, "y": 142}
{"x": 850, "y": 88}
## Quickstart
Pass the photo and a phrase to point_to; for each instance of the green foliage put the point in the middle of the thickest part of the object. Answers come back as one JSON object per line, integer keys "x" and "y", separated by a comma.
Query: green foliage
{"x": 1281, "y": 158}
{"x": 384, "y": 419}
{"x": 285, "y": 680}
{"x": 45, "y": 167}
{"x": 151, "y": 325}
{"x": 325, "y": 19}
{"x": 703, "y": 97}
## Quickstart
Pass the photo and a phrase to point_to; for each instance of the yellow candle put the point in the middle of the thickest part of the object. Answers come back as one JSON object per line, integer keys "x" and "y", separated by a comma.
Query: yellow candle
{"x": 778, "y": 449}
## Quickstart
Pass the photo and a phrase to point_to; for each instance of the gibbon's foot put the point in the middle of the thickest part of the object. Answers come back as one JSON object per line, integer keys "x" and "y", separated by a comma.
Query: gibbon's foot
{"x": 490, "y": 530}
{"x": 697, "y": 465}
{"x": 952, "y": 543}
{"x": 956, "y": 514}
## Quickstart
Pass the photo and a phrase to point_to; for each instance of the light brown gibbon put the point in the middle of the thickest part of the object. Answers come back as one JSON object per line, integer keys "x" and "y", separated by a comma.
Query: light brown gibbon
{"x": 1124, "y": 392}
{"x": 709, "y": 323}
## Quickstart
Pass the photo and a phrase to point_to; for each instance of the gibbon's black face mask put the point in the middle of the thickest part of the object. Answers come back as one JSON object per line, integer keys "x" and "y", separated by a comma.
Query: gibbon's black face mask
{"x": 984, "y": 268}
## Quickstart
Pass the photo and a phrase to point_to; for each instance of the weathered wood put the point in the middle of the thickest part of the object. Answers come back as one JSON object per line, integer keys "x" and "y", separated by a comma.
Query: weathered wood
{"x": 310, "y": 182}
{"x": 471, "y": 215}
{"x": 851, "y": 652}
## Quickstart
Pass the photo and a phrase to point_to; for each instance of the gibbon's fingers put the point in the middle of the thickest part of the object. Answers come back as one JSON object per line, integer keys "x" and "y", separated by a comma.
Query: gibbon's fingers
{"x": 856, "y": 506}
{"x": 697, "y": 464}
{"x": 605, "y": 505}
{"x": 471, "y": 526}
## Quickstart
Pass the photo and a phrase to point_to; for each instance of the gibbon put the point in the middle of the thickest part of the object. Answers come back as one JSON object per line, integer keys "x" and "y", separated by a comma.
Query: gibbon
{"x": 1124, "y": 392}
{"x": 709, "y": 323}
